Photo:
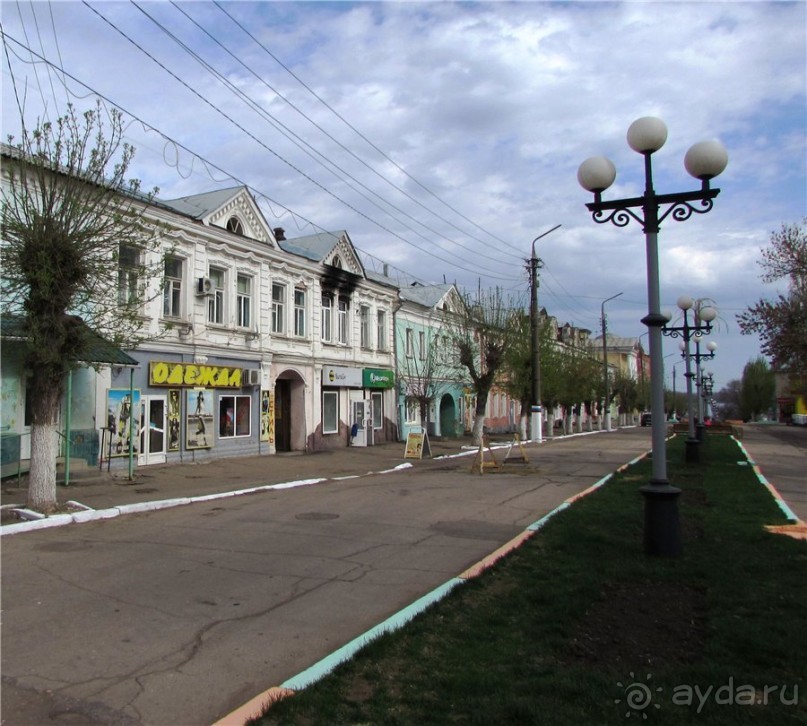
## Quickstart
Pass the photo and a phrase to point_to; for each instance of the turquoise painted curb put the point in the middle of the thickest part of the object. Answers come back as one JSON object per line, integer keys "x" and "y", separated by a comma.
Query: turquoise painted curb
{"x": 398, "y": 620}
{"x": 783, "y": 505}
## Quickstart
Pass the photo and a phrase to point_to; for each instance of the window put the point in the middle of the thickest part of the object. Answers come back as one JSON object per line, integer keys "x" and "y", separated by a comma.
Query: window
{"x": 234, "y": 225}
{"x": 299, "y": 312}
{"x": 235, "y": 416}
{"x": 412, "y": 410}
{"x": 422, "y": 344}
{"x": 342, "y": 312}
{"x": 330, "y": 412}
{"x": 215, "y": 303}
{"x": 128, "y": 265}
{"x": 381, "y": 333}
{"x": 378, "y": 410}
{"x": 243, "y": 301}
{"x": 327, "y": 318}
{"x": 278, "y": 308}
{"x": 172, "y": 291}
{"x": 364, "y": 315}
{"x": 410, "y": 342}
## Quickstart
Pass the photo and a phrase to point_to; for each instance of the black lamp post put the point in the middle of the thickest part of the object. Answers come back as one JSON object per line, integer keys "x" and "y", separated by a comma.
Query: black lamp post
{"x": 704, "y": 161}
{"x": 702, "y": 324}
{"x": 711, "y": 346}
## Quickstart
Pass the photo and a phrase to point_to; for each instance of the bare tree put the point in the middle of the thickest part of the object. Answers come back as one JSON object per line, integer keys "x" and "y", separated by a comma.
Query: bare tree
{"x": 75, "y": 245}
{"x": 486, "y": 328}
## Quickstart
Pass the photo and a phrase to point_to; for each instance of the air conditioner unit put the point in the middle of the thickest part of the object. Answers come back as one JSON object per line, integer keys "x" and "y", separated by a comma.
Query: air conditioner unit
{"x": 251, "y": 377}
{"x": 204, "y": 286}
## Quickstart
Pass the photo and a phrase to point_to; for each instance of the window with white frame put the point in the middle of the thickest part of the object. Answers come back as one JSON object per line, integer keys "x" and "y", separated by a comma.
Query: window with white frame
{"x": 299, "y": 312}
{"x": 235, "y": 416}
{"x": 381, "y": 330}
{"x": 172, "y": 288}
{"x": 412, "y": 411}
{"x": 278, "y": 308}
{"x": 327, "y": 318}
{"x": 215, "y": 303}
{"x": 330, "y": 412}
{"x": 342, "y": 329}
{"x": 128, "y": 268}
{"x": 422, "y": 343}
{"x": 364, "y": 318}
{"x": 243, "y": 299}
{"x": 410, "y": 342}
{"x": 378, "y": 410}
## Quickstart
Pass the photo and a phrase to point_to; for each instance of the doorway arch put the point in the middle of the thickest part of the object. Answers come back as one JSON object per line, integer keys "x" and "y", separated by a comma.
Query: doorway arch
{"x": 448, "y": 416}
{"x": 289, "y": 412}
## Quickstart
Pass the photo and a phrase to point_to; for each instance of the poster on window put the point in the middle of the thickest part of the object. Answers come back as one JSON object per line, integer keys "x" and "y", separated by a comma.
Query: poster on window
{"x": 174, "y": 417}
{"x": 123, "y": 415}
{"x": 199, "y": 419}
{"x": 268, "y": 416}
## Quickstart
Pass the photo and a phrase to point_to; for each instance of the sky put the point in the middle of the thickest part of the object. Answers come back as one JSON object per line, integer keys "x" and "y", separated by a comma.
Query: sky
{"x": 446, "y": 137}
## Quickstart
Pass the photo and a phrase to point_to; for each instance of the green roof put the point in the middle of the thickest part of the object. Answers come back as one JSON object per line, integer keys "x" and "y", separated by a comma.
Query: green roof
{"x": 99, "y": 350}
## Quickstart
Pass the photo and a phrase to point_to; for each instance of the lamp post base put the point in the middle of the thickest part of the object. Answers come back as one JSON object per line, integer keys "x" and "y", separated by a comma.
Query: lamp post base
{"x": 700, "y": 431}
{"x": 662, "y": 529}
{"x": 692, "y": 454}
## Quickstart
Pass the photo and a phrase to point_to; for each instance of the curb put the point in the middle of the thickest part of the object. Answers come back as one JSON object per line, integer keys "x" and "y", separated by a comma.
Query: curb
{"x": 257, "y": 705}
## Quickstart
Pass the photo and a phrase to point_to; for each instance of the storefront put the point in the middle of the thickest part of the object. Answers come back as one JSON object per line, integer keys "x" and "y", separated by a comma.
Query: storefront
{"x": 356, "y": 406}
{"x": 174, "y": 409}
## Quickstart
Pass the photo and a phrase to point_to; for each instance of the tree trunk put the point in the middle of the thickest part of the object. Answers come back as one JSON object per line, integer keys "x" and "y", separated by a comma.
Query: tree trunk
{"x": 42, "y": 476}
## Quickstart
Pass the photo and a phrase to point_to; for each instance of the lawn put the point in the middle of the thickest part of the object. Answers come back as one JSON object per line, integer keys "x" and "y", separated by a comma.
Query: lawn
{"x": 579, "y": 626}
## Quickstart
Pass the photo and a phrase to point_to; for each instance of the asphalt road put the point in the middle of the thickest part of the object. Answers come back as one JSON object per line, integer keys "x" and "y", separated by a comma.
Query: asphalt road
{"x": 180, "y": 616}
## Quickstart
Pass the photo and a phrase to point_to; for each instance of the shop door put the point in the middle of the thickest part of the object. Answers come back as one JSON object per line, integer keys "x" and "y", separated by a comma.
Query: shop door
{"x": 358, "y": 426}
{"x": 152, "y": 430}
{"x": 282, "y": 416}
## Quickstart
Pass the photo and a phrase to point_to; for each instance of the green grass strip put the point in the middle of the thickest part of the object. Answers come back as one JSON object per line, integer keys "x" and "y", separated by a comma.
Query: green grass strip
{"x": 579, "y": 626}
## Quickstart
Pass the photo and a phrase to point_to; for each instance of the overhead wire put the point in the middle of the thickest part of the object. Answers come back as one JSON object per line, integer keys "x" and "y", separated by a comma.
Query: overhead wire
{"x": 281, "y": 158}
{"x": 149, "y": 127}
{"x": 318, "y": 157}
{"x": 336, "y": 141}
{"x": 360, "y": 134}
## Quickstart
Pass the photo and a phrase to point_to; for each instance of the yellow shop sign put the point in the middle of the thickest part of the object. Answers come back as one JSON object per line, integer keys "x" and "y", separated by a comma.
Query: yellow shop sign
{"x": 191, "y": 374}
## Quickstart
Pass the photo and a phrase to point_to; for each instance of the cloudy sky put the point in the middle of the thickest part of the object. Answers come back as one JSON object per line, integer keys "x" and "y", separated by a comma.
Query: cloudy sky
{"x": 445, "y": 137}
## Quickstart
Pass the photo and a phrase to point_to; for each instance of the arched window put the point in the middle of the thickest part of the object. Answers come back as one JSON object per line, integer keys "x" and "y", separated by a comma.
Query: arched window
{"x": 234, "y": 225}
{"x": 337, "y": 262}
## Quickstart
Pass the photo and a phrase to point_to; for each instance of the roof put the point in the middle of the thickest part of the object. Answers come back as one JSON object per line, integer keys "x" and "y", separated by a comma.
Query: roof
{"x": 427, "y": 295}
{"x": 313, "y": 246}
{"x": 615, "y": 341}
{"x": 99, "y": 350}
{"x": 199, "y": 206}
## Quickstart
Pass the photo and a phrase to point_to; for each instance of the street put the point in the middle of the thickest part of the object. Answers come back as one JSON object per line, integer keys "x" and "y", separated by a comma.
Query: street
{"x": 182, "y": 615}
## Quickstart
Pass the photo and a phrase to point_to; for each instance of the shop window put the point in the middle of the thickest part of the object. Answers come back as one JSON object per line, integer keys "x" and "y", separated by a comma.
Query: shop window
{"x": 235, "y": 416}
{"x": 378, "y": 410}
{"x": 330, "y": 412}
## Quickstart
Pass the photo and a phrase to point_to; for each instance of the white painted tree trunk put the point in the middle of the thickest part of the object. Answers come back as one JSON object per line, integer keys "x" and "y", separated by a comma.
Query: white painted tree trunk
{"x": 42, "y": 475}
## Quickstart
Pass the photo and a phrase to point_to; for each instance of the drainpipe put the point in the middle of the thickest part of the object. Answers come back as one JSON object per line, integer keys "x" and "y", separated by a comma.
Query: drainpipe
{"x": 68, "y": 417}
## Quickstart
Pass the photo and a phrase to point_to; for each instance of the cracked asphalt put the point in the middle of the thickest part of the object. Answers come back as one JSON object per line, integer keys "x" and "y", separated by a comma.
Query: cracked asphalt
{"x": 179, "y": 616}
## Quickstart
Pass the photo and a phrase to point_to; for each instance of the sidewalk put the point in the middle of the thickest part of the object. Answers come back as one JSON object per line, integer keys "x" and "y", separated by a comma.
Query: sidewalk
{"x": 101, "y": 490}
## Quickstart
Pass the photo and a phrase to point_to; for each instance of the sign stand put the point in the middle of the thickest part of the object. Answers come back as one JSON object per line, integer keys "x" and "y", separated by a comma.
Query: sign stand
{"x": 417, "y": 443}
{"x": 521, "y": 457}
{"x": 480, "y": 461}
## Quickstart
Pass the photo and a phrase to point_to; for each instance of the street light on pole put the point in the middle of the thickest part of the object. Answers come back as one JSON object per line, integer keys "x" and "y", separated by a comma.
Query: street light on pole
{"x": 535, "y": 342}
{"x": 607, "y": 408}
{"x": 704, "y": 161}
{"x": 687, "y": 332}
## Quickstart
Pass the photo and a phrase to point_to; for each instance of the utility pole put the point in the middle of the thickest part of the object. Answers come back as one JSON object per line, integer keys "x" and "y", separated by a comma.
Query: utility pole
{"x": 535, "y": 343}
{"x": 607, "y": 411}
